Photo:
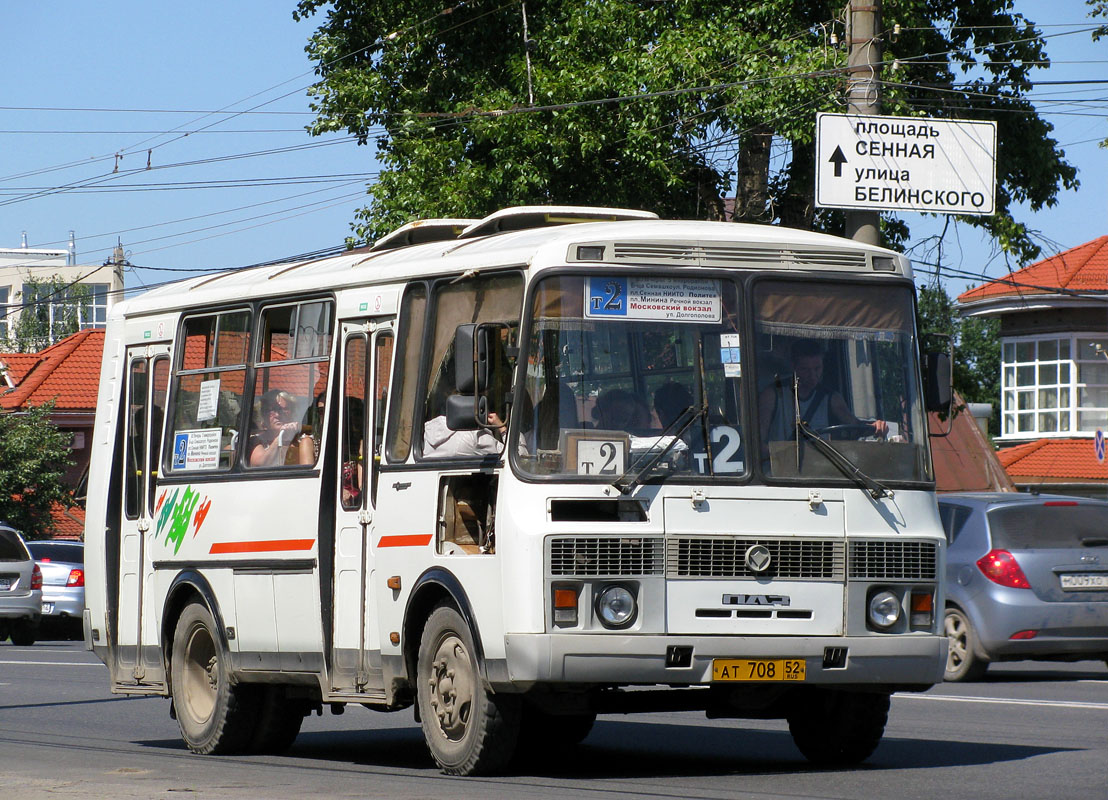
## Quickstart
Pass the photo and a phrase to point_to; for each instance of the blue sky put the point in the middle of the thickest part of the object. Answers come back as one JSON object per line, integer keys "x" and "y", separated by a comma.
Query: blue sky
{"x": 162, "y": 66}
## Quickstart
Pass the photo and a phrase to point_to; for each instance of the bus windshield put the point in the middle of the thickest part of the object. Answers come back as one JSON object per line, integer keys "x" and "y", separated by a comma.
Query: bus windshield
{"x": 622, "y": 368}
{"x": 841, "y": 357}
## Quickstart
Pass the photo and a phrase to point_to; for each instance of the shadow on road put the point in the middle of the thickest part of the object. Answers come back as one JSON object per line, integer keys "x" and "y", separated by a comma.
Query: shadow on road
{"x": 619, "y": 749}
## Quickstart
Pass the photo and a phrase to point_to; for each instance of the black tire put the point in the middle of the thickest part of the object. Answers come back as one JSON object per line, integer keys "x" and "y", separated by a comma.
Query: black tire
{"x": 24, "y": 633}
{"x": 468, "y": 729}
{"x": 836, "y": 728}
{"x": 279, "y": 720}
{"x": 962, "y": 661}
{"x": 214, "y": 715}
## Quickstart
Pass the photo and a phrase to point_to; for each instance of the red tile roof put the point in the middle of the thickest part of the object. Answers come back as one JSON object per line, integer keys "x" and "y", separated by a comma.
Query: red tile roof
{"x": 1054, "y": 461}
{"x": 964, "y": 459}
{"x": 1079, "y": 269}
{"x": 67, "y": 373}
{"x": 69, "y": 523}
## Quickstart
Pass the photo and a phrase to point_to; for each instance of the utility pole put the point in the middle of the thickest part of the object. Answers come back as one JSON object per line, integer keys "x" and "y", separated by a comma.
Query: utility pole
{"x": 863, "y": 93}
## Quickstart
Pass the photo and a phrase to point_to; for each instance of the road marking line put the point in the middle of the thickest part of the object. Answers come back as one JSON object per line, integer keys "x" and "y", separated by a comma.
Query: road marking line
{"x": 51, "y": 663}
{"x": 1001, "y": 701}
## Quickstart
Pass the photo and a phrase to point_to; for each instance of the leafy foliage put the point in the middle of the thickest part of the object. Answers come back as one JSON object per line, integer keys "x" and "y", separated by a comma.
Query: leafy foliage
{"x": 34, "y": 455}
{"x": 644, "y": 104}
{"x": 976, "y": 343}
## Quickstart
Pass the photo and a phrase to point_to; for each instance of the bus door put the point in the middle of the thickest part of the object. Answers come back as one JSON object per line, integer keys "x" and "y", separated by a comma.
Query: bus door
{"x": 366, "y": 365}
{"x": 138, "y": 659}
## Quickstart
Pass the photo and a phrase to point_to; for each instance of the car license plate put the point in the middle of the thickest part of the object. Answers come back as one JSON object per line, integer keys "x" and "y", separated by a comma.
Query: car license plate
{"x": 47, "y": 608}
{"x": 5, "y": 584}
{"x": 1085, "y": 580}
{"x": 758, "y": 669}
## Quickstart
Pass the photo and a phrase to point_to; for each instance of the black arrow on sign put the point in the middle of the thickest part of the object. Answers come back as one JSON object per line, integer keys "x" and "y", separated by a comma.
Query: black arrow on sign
{"x": 838, "y": 159}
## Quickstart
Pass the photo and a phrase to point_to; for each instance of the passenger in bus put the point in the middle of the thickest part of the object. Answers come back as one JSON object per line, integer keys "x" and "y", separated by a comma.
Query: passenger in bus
{"x": 671, "y": 400}
{"x": 279, "y": 440}
{"x": 620, "y": 410}
{"x": 820, "y": 406}
{"x": 439, "y": 441}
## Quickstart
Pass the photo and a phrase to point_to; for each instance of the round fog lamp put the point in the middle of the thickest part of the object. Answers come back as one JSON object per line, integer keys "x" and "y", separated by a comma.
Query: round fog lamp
{"x": 615, "y": 606}
{"x": 884, "y": 609}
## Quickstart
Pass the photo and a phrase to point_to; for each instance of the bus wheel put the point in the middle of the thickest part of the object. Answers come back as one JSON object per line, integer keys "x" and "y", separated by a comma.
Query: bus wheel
{"x": 214, "y": 716}
{"x": 279, "y": 721}
{"x": 468, "y": 730}
{"x": 835, "y": 728}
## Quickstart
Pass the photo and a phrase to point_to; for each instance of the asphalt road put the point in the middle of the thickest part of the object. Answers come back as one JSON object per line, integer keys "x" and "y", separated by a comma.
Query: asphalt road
{"x": 1030, "y": 730}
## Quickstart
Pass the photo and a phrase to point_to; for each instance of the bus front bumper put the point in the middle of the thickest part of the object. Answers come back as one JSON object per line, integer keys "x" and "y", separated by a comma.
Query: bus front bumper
{"x": 892, "y": 660}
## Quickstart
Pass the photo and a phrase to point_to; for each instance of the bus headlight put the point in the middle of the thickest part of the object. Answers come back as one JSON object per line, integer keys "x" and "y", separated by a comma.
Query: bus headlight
{"x": 884, "y": 610}
{"x": 615, "y": 605}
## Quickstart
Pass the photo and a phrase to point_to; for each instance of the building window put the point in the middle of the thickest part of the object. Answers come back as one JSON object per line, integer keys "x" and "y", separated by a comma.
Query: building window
{"x": 5, "y": 314}
{"x": 1092, "y": 383}
{"x": 62, "y": 310}
{"x": 1054, "y": 386}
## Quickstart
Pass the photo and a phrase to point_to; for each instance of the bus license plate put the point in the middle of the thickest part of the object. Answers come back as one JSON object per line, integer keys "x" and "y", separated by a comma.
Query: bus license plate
{"x": 5, "y": 584}
{"x": 758, "y": 669}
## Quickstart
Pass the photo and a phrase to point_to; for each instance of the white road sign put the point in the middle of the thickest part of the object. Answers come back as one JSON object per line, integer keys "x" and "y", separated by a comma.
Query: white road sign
{"x": 905, "y": 164}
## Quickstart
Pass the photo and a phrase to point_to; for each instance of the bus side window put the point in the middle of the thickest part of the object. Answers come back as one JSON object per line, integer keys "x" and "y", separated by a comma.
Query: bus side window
{"x": 382, "y": 369}
{"x": 485, "y": 298}
{"x": 290, "y": 385}
{"x": 208, "y": 390}
{"x": 413, "y": 313}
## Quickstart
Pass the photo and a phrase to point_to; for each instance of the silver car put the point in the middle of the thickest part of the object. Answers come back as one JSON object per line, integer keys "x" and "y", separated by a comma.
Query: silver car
{"x": 63, "y": 583}
{"x": 20, "y": 589}
{"x": 1026, "y": 578}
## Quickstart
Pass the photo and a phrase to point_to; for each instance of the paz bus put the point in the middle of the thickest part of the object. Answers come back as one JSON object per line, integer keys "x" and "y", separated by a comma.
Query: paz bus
{"x": 517, "y": 472}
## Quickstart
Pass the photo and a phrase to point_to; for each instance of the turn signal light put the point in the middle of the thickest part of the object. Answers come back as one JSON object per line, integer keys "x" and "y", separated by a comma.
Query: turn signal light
{"x": 565, "y": 606}
{"x": 36, "y": 578}
{"x": 1001, "y": 567}
{"x": 76, "y": 578}
{"x": 923, "y": 610}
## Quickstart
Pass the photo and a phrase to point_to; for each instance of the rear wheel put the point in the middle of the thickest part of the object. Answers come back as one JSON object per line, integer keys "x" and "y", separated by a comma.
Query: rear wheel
{"x": 468, "y": 729}
{"x": 279, "y": 720}
{"x": 962, "y": 662}
{"x": 214, "y": 716}
{"x": 24, "y": 633}
{"x": 835, "y": 728}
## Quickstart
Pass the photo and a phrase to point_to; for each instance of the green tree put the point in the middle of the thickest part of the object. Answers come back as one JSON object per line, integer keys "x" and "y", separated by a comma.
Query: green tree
{"x": 34, "y": 455}
{"x": 51, "y": 310}
{"x": 466, "y": 117}
{"x": 976, "y": 343}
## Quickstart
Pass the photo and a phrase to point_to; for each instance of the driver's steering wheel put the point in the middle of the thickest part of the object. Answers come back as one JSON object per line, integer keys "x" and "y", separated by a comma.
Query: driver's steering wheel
{"x": 849, "y": 430}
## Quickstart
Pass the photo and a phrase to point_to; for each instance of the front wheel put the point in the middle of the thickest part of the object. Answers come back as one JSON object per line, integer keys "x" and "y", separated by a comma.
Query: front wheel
{"x": 24, "y": 633}
{"x": 468, "y": 729}
{"x": 835, "y": 728}
{"x": 962, "y": 661}
{"x": 214, "y": 715}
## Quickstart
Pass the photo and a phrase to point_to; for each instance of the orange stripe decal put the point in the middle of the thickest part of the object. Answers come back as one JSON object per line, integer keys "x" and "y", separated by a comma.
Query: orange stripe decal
{"x": 405, "y": 540}
{"x": 271, "y": 546}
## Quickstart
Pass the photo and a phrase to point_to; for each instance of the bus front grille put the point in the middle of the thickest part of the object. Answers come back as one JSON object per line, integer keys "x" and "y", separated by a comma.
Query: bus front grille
{"x": 885, "y": 560}
{"x": 607, "y": 556}
{"x": 726, "y": 557}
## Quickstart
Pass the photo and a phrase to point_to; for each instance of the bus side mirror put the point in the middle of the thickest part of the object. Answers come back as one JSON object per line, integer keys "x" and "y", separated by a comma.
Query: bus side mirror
{"x": 459, "y": 413}
{"x": 478, "y": 361}
{"x": 465, "y": 367}
{"x": 937, "y": 382}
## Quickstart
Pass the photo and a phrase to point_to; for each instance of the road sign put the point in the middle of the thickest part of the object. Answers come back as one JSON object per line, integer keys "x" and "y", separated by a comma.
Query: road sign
{"x": 905, "y": 164}
{"x": 1098, "y": 445}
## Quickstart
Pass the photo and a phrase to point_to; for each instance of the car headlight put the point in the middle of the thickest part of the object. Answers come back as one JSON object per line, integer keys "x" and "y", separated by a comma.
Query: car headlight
{"x": 884, "y": 609}
{"x": 615, "y": 605}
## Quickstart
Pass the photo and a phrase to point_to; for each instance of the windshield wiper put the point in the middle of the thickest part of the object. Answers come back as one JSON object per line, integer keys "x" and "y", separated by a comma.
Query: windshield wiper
{"x": 627, "y": 486}
{"x": 844, "y": 464}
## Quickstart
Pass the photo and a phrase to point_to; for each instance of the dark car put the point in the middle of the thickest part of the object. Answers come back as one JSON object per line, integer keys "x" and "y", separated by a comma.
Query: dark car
{"x": 20, "y": 589}
{"x": 1026, "y": 578}
{"x": 63, "y": 584}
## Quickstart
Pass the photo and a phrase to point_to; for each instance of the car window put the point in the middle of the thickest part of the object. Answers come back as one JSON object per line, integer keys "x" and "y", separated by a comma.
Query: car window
{"x": 11, "y": 546}
{"x": 1051, "y": 524}
{"x": 954, "y": 519}
{"x": 68, "y": 552}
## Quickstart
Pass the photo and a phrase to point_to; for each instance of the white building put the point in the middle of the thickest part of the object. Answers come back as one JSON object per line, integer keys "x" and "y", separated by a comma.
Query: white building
{"x": 21, "y": 268}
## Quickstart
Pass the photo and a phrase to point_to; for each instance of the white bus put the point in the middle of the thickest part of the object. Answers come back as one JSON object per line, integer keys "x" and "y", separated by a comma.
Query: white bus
{"x": 517, "y": 472}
